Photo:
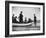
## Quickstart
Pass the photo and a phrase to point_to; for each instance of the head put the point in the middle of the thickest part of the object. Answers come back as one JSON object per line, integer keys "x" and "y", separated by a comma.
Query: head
{"x": 21, "y": 12}
{"x": 15, "y": 16}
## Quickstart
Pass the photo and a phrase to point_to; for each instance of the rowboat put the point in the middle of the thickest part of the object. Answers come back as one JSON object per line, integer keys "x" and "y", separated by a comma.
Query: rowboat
{"x": 22, "y": 24}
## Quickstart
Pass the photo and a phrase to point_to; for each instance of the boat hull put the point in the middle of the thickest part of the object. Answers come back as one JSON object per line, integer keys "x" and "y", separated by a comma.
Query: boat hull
{"x": 15, "y": 24}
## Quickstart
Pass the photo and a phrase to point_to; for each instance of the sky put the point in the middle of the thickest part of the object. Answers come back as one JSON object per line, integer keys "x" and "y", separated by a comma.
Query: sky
{"x": 28, "y": 12}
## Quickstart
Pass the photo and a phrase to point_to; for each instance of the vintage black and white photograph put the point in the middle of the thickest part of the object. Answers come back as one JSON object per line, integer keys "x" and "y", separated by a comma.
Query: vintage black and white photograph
{"x": 25, "y": 18}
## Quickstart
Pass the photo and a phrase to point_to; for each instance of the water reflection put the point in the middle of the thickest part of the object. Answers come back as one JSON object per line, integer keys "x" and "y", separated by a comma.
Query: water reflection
{"x": 33, "y": 26}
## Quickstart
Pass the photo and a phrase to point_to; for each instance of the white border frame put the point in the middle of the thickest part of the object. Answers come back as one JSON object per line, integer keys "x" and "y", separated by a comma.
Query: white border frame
{"x": 24, "y": 32}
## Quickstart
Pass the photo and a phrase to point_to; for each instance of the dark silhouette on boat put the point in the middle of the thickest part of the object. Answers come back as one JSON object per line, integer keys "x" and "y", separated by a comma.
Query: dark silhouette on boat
{"x": 14, "y": 19}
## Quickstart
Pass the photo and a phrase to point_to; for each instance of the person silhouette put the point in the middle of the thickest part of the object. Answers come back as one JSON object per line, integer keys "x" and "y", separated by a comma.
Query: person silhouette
{"x": 21, "y": 17}
{"x": 25, "y": 20}
{"x": 15, "y": 19}
{"x": 35, "y": 19}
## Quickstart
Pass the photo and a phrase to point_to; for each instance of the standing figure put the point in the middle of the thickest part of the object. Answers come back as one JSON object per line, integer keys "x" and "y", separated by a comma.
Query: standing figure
{"x": 35, "y": 20}
{"x": 13, "y": 18}
{"x": 21, "y": 17}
